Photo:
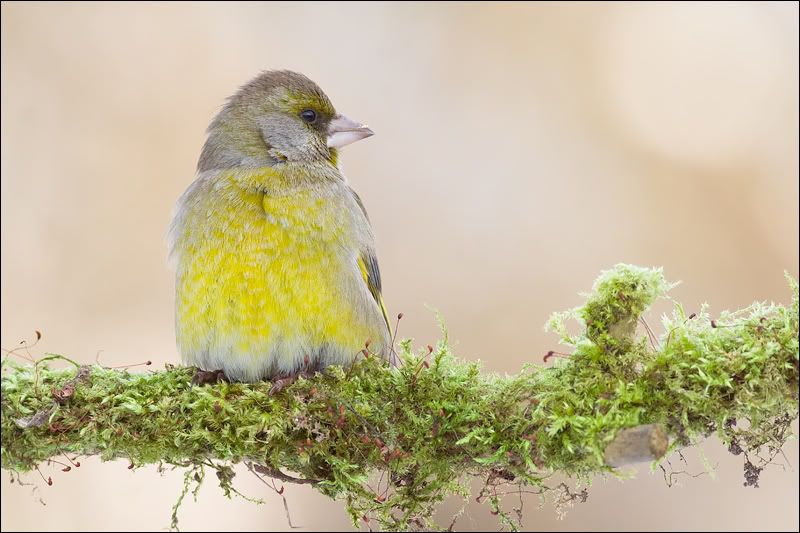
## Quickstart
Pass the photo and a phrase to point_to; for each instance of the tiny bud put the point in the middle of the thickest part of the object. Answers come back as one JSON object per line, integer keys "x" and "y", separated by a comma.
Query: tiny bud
{"x": 130, "y": 466}
{"x": 148, "y": 363}
{"x": 365, "y": 353}
{"x": 49, "y": 481}
{"x": 378, "y": 442}
{"x": 365, "y": 519}
{"x": 430, "y": 349}
{"x": 66, "y": 469}
{"x": 366, "y": 344}
{"x": 692, "y": 316}
{"x": 281, "y": 491}
{"x": 495, "y": 511}
{"x": 713, "y": 323}
{"x": 38, "y": 334}
{"x": 399, "y": 316}
{"x": 77, "y": 464}
{"x": 548, "y": 355}
{"x": 426, "y": 364}
{"x": 380, "y": 498}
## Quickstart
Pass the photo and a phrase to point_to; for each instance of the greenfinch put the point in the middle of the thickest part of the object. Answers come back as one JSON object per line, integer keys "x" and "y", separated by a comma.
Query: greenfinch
{"x": 276, "y": 270}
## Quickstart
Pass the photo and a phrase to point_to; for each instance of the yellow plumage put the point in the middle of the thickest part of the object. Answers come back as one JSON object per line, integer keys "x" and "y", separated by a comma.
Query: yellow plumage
{"x": 268, "y": 282}
{"x": 276, "y": 266}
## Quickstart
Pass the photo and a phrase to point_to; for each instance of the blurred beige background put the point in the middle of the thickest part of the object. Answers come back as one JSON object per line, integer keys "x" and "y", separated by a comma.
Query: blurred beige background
{"x": 520, "y": 149}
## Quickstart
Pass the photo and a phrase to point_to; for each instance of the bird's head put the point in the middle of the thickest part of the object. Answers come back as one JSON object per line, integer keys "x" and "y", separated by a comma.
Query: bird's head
{"x": 280, "y": 116}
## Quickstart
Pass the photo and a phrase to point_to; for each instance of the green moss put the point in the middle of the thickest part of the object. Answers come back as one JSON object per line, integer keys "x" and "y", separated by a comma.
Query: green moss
{"x": 431, "y": 426}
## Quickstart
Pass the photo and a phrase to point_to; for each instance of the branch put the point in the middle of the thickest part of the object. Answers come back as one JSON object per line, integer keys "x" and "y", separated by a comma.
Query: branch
{"x": 637, "y": 445}
{"x": 424, "y": 430}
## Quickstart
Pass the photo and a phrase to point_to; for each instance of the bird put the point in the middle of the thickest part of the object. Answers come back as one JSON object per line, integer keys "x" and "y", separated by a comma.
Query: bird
{"x": 274, "y": 254}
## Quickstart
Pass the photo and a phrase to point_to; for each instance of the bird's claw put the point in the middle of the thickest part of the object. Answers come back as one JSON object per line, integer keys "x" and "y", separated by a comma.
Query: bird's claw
{"x": 209, "y": 377}
{"x": 281, "y": 383}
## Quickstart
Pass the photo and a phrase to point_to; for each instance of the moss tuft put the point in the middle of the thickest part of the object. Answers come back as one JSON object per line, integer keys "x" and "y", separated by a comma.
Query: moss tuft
{"x": 393, "y": 443}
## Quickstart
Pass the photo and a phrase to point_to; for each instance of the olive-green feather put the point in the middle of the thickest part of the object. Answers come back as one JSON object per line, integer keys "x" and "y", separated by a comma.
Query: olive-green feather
{"x": 368, "y": 263}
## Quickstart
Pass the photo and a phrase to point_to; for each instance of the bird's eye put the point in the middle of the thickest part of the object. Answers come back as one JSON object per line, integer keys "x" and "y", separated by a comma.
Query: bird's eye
{"x": 309, "y": 115}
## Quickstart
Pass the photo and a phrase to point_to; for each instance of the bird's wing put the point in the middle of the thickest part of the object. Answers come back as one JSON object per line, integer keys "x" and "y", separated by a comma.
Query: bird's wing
{"x": 368, "y": 264}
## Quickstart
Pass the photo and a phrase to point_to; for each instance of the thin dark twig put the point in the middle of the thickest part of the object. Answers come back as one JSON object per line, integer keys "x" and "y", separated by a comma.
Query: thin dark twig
{"x": 277, "y": 474}
{"x": 251, "y": 467}
{"x": 650, "y": 334}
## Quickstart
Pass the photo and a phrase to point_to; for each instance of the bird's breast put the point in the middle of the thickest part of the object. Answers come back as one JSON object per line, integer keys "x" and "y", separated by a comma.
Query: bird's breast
{"x": 256, "y": 271}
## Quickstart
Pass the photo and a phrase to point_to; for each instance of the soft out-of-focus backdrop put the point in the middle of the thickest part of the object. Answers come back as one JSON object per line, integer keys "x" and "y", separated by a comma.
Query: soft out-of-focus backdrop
{"x": 520, "y": 149}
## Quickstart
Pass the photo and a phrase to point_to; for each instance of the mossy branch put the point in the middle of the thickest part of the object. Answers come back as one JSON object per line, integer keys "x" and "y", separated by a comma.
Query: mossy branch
{"x": 432, "y": 425}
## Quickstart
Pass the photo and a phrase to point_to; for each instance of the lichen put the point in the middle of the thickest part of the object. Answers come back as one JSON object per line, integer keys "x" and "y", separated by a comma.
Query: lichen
{"x": 393, "y": 443}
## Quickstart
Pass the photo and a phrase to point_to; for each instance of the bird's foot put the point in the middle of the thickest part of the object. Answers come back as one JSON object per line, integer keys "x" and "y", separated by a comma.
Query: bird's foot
{"x": 206, "y": 377}
{"x": 281, "y": 383}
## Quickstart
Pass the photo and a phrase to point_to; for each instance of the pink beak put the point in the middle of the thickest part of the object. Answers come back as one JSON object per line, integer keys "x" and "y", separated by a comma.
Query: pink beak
{"x": 343, "y": 131}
